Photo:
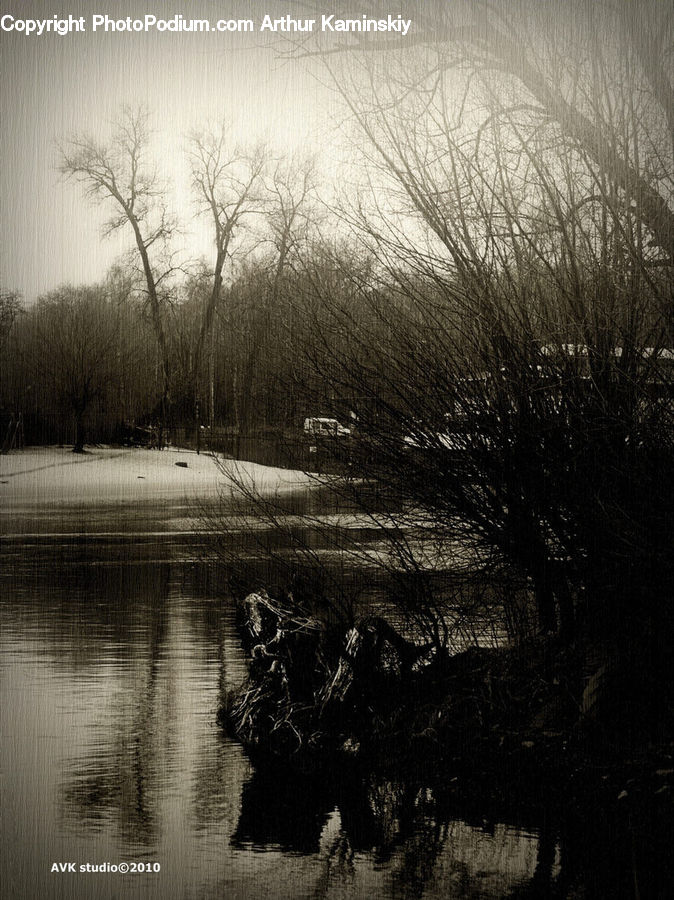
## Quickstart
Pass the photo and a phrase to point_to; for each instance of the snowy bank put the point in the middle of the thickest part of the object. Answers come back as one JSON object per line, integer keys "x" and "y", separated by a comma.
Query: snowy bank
{"x": 55, "y": 476}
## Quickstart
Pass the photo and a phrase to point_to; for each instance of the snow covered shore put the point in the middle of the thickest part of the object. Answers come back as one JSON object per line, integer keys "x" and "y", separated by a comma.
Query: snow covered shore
{"x": 55, "y": 476}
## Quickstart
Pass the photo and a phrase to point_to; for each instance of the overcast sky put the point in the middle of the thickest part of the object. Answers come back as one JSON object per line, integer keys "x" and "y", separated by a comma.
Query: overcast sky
{"x": 55, "y": 85}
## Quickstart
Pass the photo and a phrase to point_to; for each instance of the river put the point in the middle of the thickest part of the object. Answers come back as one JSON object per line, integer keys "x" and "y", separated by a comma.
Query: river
{"x": 118, "y": 642}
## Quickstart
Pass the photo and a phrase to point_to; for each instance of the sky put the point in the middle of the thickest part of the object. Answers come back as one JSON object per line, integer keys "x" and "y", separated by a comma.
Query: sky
{"x": 53, "y": 86}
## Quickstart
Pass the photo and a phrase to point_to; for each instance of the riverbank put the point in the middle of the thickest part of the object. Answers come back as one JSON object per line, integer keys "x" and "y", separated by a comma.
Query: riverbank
{"x": 107, "y": 475}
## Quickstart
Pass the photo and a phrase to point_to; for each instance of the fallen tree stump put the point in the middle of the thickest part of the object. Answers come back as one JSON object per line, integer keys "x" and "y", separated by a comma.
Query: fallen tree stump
{"x": 364, "y": 691}
{"x": 313, "y": 688}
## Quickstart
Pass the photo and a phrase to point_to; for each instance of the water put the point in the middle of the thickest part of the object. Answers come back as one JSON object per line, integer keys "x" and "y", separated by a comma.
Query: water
{"x": 118, "y": 641}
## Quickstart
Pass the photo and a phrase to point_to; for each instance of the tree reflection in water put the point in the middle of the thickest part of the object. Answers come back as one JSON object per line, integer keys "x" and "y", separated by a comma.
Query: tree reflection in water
{"x": 361, "y": 825}
{"x": 119, "y": 777}
{"x": 436, "y": 839}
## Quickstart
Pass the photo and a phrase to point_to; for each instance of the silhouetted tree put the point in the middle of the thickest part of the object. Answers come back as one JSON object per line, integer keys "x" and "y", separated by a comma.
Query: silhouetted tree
{"x": 73, "y": 348}
{"x": 122, "y": 172}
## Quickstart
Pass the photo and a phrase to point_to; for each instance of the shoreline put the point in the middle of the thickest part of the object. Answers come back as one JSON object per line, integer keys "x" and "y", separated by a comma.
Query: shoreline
{"x": 54, "y": 476}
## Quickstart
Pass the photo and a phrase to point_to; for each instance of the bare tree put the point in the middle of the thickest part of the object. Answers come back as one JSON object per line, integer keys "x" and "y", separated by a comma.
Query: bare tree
{"x": 74, "y": 352}
{"x": 292, "y": 218}
{"x": 121, "y": 172}
{"x": 228, "y": 185}
{"x": 512, "y": 375}
{"x": 561, "y": 65}
{"x": 258, "y": 321}
{"x": 291, "y": 188}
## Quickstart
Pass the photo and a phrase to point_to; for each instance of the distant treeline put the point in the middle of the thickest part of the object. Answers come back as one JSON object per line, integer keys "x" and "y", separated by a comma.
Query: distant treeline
{"x": 82, "y": 364}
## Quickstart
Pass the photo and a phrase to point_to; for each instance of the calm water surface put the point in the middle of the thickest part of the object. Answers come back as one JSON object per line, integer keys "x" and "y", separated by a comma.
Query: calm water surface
{"x": 118, "y": 641}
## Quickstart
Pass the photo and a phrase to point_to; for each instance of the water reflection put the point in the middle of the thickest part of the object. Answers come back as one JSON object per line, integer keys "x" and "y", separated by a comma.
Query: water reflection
{"x": 380, "y": 831}
{"x": 115, "y": 656}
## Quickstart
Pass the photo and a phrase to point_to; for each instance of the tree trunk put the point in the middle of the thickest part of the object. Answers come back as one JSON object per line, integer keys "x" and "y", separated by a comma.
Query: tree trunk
{"x": 545, "y": 598}
{"x": 79, "y": 431}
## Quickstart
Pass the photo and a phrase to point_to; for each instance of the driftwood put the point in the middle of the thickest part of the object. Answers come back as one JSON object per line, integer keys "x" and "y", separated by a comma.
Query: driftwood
{"x": 365, "y": 691}
{"x": 311, "y": 687}
{"x": 373, "y": 648}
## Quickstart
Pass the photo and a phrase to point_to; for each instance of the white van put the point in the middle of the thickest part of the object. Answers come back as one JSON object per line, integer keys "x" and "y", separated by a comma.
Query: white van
{"x": 319, "y": 425}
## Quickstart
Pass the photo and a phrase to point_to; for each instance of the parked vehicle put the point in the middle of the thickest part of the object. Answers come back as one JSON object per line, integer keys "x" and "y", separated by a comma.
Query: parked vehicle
{"x": 324, "y": 427}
